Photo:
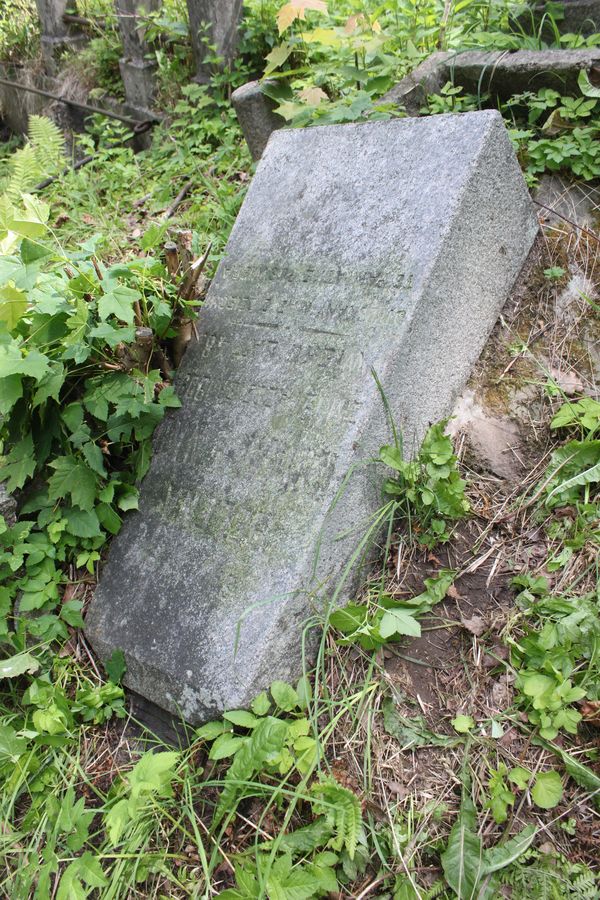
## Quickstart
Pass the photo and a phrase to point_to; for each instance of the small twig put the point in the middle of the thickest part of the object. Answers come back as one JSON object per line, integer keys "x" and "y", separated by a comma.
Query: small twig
{"x": 186, "y": 288}
{"x": 170, "y": 210}
{"x": 141, "y": 201}
{"x": 569, "y": 221}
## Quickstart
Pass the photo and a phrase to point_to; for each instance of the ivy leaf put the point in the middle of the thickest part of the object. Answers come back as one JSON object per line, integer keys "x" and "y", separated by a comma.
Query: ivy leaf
{"x": 119, "y": 303}
{"x": 547, "y": 790}
{"x": 13, "y": 305}
{"x": 73, "y": 478}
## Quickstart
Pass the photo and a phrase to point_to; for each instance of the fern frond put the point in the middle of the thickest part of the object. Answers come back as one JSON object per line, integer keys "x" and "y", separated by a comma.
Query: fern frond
{"x": 342, "y": 811}
{"x": 47, "y": 142}
{"x": 436, "y": 890}
{"x": 24, "y": 172}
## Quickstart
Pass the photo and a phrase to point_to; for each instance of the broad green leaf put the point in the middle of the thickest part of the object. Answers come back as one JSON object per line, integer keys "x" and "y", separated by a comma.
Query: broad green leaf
{"x": 226, "y": 745}
{"x": 547, "y": 790}
{"x": 392, "y": 457}
{"x": 261, "y": 704}
{"x": 108, "y": 518}
{"x": 463, "y": 724}
{"x": 503, "y": 855}
{"x": 11, "y": 390}
{"x": 94, "y": 458}
{"x": 241, "y": 717}
{"x": 11, "y": 746}
{"x": 13, "y": 305}
{"x": 585, "y": 85}
{"x": 212, "y": 730}
{"x": 77, "y": 323}
{"x": 116, "y": 820}
{"x": 398, "y": 621}
{"x": 82, "y": 523}
{"x": 520, "y": 776}
{"x": 18, "y": 665}
{"x": 12, "y": 362}
{"x": 50, "y": 385}
{"x": 284, "y": 696}
{"x": 19, "y": 465}
{"x": 72, "y": 477}
{"x": 462, "y": 860}
{"x": 119, "y": 303}
{"x": 277, "y": 57}
{"x": 116, "y": 666}
{"x": 296, "y": 9}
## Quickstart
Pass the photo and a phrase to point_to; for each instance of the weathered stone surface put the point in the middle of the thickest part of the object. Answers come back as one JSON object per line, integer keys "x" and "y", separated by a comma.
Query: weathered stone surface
{"x": 255, "y": 112}
{"x": 217, "y": 20}
{"x": 575, "y": 16}
{"x": 495, "y": 72}
{"x": 428, "y": 78}
{"x": 504, "y": 74}
{"x": 386, "y": 246}
{"x": 8, "y": 506}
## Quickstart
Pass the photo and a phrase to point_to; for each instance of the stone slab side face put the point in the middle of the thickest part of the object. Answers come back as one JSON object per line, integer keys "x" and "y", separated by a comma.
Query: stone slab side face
{"x": 256, "y": 115}
{"x": 504, "y": 74}
{"x": 388, "y": 246}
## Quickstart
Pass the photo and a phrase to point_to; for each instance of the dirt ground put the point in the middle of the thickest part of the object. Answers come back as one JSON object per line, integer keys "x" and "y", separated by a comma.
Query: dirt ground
{"x": 503, "y": 440}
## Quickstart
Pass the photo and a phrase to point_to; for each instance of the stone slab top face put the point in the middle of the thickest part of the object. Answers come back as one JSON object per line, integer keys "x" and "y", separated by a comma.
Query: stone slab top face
{"x": 387, "y": 246}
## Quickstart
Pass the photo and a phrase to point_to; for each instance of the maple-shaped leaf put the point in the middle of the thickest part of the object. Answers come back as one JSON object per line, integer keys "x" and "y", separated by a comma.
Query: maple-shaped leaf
{"x": 312, "y": 95}
{"x": 19, "y": 465}
{"x": 13, "y": 304}
{"x": 74, "y": 478}
{"x": 119, "y": 303}
{"x": 296, "y": 9}
{"x": 277, "y": 57}
{"x": 13, "y": 362}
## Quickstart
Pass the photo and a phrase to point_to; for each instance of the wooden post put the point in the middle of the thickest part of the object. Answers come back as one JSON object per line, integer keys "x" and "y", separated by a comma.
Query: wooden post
{"x": 137, "y": 72}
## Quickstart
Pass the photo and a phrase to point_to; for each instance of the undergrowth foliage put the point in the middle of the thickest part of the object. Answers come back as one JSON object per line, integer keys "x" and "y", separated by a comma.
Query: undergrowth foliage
{"x": 258, "y": 805}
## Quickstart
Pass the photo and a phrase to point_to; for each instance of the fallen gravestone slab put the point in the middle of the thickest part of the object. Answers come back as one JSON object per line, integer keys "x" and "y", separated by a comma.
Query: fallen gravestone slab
{"x": 386, "y": 246}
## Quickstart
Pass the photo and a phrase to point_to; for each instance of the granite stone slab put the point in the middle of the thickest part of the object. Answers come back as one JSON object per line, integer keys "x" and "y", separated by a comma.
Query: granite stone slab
{"x": 386, "y": 247}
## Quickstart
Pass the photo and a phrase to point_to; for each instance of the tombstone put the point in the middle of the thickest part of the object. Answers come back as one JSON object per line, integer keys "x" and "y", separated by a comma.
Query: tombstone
{"x": 56, "y": 34}
{"x": 216, "y": 21}
{"x": 384, "y": 247}
{"x": 256, "y": 115}
{"x": 137, "y": 71}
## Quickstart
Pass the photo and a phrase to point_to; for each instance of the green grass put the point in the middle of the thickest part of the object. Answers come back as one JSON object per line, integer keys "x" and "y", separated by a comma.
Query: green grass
{"x": 86, "y": 809}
